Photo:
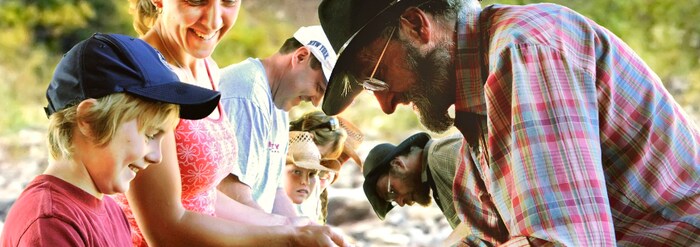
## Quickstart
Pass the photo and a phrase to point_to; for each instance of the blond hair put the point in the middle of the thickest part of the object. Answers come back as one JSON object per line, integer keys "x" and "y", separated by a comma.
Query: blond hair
{"x": 316, "y": 123}
{"x": 105, "y": 117}
{"x": 145, "y": 15}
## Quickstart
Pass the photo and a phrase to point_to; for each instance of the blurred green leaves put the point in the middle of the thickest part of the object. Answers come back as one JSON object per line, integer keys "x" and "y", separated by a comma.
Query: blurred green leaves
{"x": 35, "y": 34}
{"x": 254, "y": 35}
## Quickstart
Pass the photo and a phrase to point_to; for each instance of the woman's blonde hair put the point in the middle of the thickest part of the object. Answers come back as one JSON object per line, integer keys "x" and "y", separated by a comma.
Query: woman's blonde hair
{"x": 105, "y": 117}
{"x": 144, "y": 13}
{"x": 326, "y": 129}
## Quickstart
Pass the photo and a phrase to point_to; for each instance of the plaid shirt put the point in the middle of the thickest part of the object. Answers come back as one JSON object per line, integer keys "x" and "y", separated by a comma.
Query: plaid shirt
{"x": 572, "y": 139}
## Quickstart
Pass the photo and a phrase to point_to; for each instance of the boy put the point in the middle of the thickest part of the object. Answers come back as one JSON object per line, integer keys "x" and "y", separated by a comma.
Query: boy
{"x": 111, "y": 100}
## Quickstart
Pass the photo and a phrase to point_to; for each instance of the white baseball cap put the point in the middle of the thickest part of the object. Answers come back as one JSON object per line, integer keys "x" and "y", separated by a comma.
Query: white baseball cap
{"x": 315, "y": 39}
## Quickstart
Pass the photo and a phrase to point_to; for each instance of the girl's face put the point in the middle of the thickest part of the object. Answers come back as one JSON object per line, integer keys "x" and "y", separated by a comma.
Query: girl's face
{"x": 298, "y": 182}
{"x": 198, "y": 25}
{"x": 114, "y": 165}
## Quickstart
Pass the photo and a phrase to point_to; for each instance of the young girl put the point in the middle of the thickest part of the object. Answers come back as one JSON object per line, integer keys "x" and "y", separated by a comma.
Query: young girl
{"x": 111, "y": 101}
{"x": 303, "y": 164}
{"x": 337, "y": 139}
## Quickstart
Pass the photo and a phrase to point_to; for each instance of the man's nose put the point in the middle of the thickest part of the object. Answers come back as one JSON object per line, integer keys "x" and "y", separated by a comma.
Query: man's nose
{"x": 384, "y": 99}
{"x": 400, "y": 200}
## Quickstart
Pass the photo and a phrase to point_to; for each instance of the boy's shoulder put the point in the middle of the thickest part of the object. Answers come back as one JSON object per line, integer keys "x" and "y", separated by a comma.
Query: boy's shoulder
{"x": 50, "y": 201}
{"x": 44, "y": 197}
{"x": 40, "y": 203}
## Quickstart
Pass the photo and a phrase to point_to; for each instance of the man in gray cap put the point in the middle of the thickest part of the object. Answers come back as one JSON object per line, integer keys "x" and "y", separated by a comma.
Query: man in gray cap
{"x": 575, "y": 138}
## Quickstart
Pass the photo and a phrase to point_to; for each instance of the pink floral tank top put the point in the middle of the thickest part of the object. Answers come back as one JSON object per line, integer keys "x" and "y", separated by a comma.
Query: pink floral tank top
{"x": 206, "y": 151}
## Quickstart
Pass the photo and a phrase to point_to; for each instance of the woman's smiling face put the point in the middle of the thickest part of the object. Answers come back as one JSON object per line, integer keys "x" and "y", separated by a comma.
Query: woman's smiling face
{"x": 198, "y": 25}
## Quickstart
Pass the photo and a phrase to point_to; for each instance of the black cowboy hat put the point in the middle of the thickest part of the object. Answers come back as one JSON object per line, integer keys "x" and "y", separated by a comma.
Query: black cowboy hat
{"x": 377, "y": 163}
{"x": 349, "y": 25}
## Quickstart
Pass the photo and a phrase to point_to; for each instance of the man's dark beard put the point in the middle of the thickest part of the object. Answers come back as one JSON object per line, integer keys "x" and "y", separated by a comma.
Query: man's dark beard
{"x": 424, "y": 199}
{"x": 420, "y": 191}
{"x": 429, "y": 94}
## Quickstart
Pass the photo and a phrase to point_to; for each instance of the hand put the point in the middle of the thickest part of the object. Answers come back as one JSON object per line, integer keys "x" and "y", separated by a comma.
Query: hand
{"x": 318, "y": 236}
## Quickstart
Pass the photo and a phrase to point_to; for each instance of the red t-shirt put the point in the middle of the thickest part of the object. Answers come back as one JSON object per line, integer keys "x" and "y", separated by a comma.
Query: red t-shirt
{"x": 53, "y": 212}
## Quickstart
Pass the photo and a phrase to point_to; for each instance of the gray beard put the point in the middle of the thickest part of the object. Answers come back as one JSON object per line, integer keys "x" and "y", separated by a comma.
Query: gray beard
{"x": 429, "y": 95}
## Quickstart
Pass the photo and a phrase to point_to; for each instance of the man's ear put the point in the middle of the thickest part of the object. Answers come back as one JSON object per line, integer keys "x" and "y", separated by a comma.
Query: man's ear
{"x": 83, "y": 108}
{"x": 398, "y": 165}
{"x": 157, "y": 3}
{"x": 415, "y": 25}
{"x": 301, "y": 55}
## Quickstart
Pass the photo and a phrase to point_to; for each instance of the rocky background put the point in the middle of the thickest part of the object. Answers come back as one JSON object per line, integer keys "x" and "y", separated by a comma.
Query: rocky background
{"x": 23, "y": 156}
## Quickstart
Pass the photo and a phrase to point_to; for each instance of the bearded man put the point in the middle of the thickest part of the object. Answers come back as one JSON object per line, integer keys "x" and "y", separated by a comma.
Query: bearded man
{"x": 406, "y": 173}
{"x": 573, "y": 138}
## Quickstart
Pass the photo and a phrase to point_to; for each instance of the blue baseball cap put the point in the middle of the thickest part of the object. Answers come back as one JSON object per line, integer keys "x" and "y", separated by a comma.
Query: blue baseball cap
{"x": 105, "y": 64}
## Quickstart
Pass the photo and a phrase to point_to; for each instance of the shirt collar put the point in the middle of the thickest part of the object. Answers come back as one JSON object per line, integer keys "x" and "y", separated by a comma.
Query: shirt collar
{"x": 424, "y": 159}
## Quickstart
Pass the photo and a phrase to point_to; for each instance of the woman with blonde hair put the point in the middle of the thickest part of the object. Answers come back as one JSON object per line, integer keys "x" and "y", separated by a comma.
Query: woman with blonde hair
{"x": 328, "y": 135}
{"x": 178, "y": 203}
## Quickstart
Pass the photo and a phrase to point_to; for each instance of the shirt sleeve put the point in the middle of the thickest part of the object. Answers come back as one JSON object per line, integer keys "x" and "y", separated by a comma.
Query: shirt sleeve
{"x": 51, "y": 232}
{"x": 544, "y": 172}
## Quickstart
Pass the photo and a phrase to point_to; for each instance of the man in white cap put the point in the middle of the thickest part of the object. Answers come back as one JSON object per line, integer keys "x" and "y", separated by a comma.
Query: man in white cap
{"x": 257, "y": 94}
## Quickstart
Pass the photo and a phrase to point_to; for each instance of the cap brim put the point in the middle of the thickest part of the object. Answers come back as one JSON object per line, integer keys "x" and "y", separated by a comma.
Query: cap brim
{"x": 380, "y": 206}
{"x": 342, "y": 88}
{"x": 195, "y": 102}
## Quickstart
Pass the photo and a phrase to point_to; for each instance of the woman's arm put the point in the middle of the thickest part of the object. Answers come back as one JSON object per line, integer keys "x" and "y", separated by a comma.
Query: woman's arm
{"x": 155, "y": 200}
{"x": 283, "y": 205}
{"x": 234, "y": 210}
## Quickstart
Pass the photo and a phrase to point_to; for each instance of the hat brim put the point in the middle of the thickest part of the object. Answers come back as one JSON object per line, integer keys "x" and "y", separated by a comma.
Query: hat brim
{"x": 195, "y": 102}
{"x": 309, "y": 165}
{"x": 342, "y": 88}
{"x": 380, "y": 206}
{"x": 353, "y": 155}
{"x": 331, "y": 165}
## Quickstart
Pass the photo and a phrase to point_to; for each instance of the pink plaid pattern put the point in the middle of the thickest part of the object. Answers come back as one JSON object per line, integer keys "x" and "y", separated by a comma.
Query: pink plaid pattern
{"x": 586, "y": 147}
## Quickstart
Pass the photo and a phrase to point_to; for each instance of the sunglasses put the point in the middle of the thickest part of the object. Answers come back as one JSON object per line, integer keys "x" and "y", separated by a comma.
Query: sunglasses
{"x": 332, "y": 124}
{"x": 373, "y": 84}
{"x": 390, "y": 193}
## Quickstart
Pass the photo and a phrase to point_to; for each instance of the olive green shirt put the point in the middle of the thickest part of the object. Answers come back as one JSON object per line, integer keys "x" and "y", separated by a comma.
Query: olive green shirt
{"x": 441, "y": 156}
